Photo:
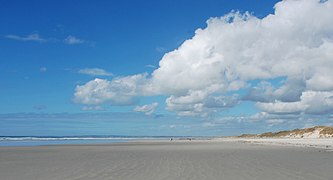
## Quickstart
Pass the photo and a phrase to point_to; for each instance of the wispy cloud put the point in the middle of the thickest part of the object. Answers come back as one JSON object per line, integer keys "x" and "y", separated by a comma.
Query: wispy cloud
{"x": 35, "y": 37}
{"x": 92, "y": 108}
{"x": 30, "y": 37}
{"x": 151, "y": 66}
{"x": 148, "y": 109}
{"x": 161, "y": 49}
{"x": 43, "y": 69}
{"x": 95, "y": 72}
{"x": 71, "y": 40}
{"x": 40, "y": 107}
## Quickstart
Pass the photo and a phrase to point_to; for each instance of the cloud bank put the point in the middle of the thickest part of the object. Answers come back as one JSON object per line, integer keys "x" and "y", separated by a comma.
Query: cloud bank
{"x": 205, "y": 74}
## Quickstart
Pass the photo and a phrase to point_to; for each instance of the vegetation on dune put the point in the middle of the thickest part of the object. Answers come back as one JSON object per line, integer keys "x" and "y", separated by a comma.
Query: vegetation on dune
{"x": 327, "y": 130}
{"x": 324, "y": 131}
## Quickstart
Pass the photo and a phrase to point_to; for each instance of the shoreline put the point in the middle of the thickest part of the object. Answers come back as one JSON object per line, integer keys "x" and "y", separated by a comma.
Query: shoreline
{"x": 320, "y": 143}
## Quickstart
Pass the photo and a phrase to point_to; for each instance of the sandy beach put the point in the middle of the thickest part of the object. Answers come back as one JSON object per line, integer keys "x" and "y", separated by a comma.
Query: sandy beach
{"x": 321, "y": 143}
{"x": 165, "y": 160}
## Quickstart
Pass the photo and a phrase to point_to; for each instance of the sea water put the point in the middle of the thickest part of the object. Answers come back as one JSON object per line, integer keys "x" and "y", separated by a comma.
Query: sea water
{"x": 53, "y": 140}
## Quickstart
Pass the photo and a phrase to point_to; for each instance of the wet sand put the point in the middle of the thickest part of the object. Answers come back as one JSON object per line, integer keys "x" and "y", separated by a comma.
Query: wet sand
{"x": 165, "y": 160}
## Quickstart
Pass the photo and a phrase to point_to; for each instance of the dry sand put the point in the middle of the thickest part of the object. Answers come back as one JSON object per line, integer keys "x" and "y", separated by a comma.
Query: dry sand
{"x": 165, "y": 160}
{"x": 322, "y": 143}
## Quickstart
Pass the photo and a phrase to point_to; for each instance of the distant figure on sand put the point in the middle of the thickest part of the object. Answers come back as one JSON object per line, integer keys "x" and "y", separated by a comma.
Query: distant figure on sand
{"x": 171, "y": 139}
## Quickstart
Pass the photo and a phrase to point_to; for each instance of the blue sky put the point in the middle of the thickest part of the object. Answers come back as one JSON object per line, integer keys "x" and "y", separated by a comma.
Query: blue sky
{"x": 112, "y": 67}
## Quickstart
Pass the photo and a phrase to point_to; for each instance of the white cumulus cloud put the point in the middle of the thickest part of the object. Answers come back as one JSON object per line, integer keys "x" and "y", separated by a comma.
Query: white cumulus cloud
{"x": 118, "y": 91}
{"x": 311, "y": 102}
{"x": 295, "y": 43}
{"x": 290, "y": 91}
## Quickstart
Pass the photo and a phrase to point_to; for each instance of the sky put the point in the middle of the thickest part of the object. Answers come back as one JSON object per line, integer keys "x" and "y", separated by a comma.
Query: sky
{"x": 203, "y": 68}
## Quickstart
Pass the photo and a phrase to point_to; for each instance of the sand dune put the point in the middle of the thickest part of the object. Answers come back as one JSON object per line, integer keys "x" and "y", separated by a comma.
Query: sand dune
{"x": 311, "y": 133}
{"x": 165, "y": 160}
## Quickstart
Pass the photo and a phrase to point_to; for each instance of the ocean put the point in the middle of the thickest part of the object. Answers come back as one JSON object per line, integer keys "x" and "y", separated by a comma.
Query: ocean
{"x": 59, "y": 140}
